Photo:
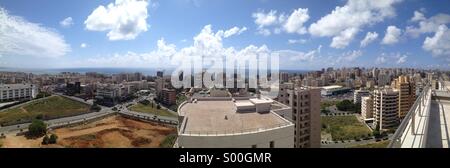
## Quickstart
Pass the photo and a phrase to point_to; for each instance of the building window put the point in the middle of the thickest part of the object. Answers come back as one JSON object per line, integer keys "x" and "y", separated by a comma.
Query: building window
{"x": 272, "y": 144}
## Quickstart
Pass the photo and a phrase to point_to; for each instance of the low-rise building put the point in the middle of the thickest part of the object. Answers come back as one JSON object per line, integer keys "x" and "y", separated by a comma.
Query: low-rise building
{"x": 17, "y": 91}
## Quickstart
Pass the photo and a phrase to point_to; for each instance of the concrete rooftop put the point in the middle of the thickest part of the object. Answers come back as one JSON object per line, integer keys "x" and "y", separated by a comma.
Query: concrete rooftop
{"x": 208, "y": 117}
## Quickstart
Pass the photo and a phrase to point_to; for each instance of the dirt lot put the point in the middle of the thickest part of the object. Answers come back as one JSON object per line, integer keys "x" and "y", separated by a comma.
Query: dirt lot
{"x": 111, "y": 132}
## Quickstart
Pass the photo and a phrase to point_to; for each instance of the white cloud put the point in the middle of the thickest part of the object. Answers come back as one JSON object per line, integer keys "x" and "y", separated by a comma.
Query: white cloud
{"x": 426, "y": 25}
{"x": 298, "y": 56}
{"x": 234, "y": 31}
{"x": 343, "y": 39}
{"x": 370, "y": 37}
{"x": 346, "y": 58}
{"x": 83, "y": 45}
{"x": 380, "y": 60}
{"x": 402, "y": 59}
{"x": 265, "y": 19}
{"x": 124, "y": 19}
{"x": 418, "y": 16}
{"x": 67, "y": 22}
{"x": 299, "y": 41}
{"x": 206, "y": 44}
{"x": 18, "y": 37}
{"x": 264, "y": 32}
{"x": 439, "y": 44}
{"x": 294, "y": 23}
{"x": 392, "y": 35}
{"x": 351, "y": 18}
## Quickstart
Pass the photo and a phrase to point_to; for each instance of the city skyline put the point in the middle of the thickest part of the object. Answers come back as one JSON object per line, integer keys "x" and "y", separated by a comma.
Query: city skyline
{"x": 151, "y": 34}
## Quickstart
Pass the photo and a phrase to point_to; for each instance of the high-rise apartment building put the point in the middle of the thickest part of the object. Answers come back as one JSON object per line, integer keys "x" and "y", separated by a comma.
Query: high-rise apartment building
{"x": 406, "y": 94}
{"x": 305, "y": 104}
{"x": 367, "y": 107}
{"x": 385, "y": 108}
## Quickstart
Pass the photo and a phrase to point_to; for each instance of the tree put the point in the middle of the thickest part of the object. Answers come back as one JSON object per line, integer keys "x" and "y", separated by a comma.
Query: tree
{"x": 344, "y": 105}
{"x": 145, "y": 102}
{"x": 37, "y": 128}
{"x": 45, "y": 140}
{"x": 53, "y": 139}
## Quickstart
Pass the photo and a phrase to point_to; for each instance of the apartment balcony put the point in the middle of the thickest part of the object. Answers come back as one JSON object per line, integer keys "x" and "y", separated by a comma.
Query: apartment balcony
{"x": 426, "y": 125}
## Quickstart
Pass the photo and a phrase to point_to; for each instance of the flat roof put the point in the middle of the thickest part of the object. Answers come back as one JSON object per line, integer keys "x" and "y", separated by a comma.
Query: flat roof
{"x": 331, "y": 87}
{"x": 208, "y": 117}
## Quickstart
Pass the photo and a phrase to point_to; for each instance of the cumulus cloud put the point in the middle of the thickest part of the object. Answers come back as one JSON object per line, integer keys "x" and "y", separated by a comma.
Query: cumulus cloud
{"x": 263, "y": 19}
{"x": 439, "y": 44}
{"x": 234, "y": 31}
{"x": 18, "y": 37}
{"x": 298, "y": 56}
{"x": 418, "y": 16}
{"x": 124, "y": 19}
{"x": 346, "y": 21}
{"x": 83, "y": 45}
{"x": 426, "y": 25}
{"x": 370, "y": 37}
{"x": 392, "y": 35}
{"x": 67, "y": 22}
{"x": 343, "y": 39}
{"x": 392, "y": 59}
{"x": 292, "y": 23}
{"x": 206, "y": 44}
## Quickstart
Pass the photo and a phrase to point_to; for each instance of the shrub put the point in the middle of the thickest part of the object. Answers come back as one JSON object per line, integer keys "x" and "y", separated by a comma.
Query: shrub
{"x": 53, "y": 139}
{"x": 158, "y": 107}
{"x": 45, "y": 140}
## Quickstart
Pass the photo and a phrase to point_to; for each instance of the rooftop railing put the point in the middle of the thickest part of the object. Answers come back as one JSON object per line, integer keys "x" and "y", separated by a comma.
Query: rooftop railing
{"x": 410, "y": 126}
{"x": 235, "y": 132}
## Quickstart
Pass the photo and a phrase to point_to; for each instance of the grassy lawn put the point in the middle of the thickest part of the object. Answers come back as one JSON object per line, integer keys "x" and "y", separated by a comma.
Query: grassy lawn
{"x": 344, "y": 127}
{"x": 169, "y": 141}
{"x": 139, "y": 107}
{"x": 52, "y": 107}
{"x": 381, "y": 144}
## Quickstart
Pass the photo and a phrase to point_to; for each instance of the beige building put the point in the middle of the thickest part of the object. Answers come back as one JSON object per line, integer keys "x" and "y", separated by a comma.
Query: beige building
{"x": 367, "y": 107}
{"x": 385, "y": 107}
{"x": 305, "y": 104}
{"x": 406, "y": 94}
{"x": 226, "y": 122}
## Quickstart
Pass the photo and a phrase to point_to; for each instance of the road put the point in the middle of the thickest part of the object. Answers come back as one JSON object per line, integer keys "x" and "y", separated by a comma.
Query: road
{"x": 83, "y": 117}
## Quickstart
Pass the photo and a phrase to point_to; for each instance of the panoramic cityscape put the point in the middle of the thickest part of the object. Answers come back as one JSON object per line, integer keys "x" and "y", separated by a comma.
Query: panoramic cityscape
{"x": 192, "y": 74}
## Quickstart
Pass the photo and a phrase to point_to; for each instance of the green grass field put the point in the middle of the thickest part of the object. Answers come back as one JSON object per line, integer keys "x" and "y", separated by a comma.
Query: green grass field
{"x": 139, "y": 107}
{"x": 344, "y": 127}
{"x": 381, "y": 144}
{"x": 169, "y": 141}
{"x": 51, "y": 107}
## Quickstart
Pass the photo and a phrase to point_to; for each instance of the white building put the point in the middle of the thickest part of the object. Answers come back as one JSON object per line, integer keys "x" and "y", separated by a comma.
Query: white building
{"x": 225, "y": 122}
{"x": 17, "y": 91}
{"x": 367, "y": 108}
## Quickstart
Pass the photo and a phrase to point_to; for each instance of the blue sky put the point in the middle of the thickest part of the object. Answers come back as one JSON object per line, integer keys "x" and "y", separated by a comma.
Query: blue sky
{"x": 306, "y": 34}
